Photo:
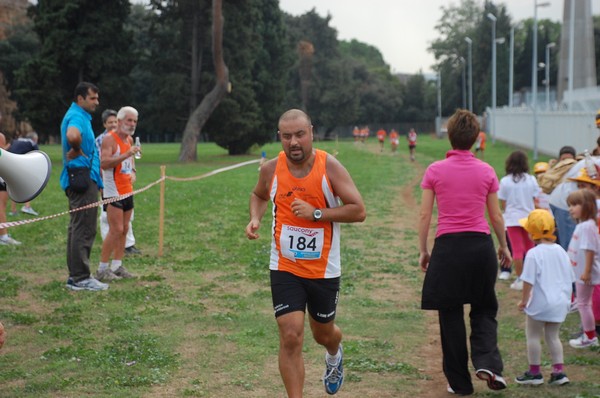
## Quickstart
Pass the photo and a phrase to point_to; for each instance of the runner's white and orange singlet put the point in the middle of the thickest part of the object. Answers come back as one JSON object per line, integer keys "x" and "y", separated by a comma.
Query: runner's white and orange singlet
{"x": 305, "y": 248}
{"x": 117, "y": 181}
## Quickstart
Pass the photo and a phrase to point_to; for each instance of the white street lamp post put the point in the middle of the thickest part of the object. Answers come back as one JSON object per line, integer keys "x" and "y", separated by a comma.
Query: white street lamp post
{"x": 548, "y": 47}
{"x": 464, "y": 84}
{"x": 511, "y": 67}
{"x": 470, "y": 43}
{"x": 492, "y": 18}
{"x": 534, "y": 78}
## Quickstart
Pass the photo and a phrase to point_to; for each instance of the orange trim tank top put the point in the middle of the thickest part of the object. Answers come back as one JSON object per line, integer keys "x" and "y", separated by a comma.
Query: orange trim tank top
{"x": 305, "y": 248}
{"x": 117, "y": 181}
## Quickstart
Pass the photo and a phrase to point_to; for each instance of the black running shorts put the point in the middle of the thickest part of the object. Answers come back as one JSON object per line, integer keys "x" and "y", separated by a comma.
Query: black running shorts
{"x": 292, "y": 293}
{"x": 123, "y": 204}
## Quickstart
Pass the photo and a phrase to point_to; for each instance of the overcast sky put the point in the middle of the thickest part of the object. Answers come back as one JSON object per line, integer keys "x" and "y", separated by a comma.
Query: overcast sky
{"x": 402, "y": 30}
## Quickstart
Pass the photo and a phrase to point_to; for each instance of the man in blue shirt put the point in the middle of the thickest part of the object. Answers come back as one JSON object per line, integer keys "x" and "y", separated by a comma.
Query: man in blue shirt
{"x": 80, "y": 153}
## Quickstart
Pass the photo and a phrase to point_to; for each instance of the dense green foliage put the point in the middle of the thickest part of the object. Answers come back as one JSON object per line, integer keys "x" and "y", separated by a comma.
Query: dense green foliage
{"x": 79, "y": 40}
{"x": 158, "y": 58}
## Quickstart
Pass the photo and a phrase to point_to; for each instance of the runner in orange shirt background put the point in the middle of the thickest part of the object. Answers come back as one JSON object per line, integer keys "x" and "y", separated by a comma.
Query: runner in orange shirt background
{"x": 394, "y": 140}
{"x": 412, "y": 143}
{"x": 480, "y": 145}
{"x": 381, "y": 134}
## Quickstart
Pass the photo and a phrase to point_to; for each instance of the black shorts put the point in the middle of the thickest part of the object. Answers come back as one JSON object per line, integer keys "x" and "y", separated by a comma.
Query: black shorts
{"x": 123, "y": 204}
{"x": 292, "y": 293}
{"x": 2, "y": 186}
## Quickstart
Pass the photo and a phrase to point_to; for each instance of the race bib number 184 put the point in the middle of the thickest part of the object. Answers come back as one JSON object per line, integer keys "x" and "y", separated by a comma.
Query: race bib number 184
{"x": 301, "y": 243}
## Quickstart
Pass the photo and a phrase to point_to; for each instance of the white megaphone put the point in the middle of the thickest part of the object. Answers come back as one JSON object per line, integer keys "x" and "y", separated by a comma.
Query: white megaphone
{"x": 25, "y": 175}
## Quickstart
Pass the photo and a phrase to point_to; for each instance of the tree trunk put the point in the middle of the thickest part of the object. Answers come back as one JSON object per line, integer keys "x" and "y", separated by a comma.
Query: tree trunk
{"x": 188, "y": 151}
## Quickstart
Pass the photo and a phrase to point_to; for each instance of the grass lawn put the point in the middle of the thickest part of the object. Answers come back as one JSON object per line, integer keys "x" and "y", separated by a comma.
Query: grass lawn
{"x": 198, "y": 321}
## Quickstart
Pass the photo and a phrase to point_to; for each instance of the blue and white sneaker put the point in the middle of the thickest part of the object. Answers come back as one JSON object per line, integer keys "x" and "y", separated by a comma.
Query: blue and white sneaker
{"x": 90, "y": 284}
{"x": 334, "y": 374}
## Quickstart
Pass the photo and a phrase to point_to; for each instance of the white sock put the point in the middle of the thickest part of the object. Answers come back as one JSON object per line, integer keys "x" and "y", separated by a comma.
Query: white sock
{"x": 332, "y": 359}
{"x": 4, "y": 237}
{"x": 102, "y": 266}
{"x": 115, "y": 265}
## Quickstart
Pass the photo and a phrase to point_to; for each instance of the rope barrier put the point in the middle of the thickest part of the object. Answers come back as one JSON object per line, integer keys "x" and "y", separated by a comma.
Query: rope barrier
{"x": 12, "y": 224}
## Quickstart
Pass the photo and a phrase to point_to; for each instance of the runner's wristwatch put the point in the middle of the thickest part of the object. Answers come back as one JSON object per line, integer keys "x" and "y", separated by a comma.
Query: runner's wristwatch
{"x": 317, "y": 215}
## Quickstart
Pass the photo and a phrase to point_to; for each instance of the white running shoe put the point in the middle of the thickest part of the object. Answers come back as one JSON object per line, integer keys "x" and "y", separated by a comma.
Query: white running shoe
{"x": 29, "y": 210}
{"x": 583, "y": 342}
{"x": 9, "y": 241}
{"x": 504, "y": 276}
{"x": 90, "y": 284}
{"x": 517, "y": 284}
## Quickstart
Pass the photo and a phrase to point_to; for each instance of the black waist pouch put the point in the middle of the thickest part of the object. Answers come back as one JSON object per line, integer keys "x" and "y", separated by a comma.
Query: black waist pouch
{"x": 79, "y": 179}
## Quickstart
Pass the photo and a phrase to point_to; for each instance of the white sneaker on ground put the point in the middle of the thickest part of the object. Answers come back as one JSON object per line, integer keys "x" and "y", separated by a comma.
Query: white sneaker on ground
{"x": 517, "y": 284}
{"x": 494, "y": 381}
{"x": 9, "y": 241}
{"x": 583, "y": 342}
{"x": 504, "y": 275}
{"x": 90, "y": 284}
{"x": 29, "y": 210}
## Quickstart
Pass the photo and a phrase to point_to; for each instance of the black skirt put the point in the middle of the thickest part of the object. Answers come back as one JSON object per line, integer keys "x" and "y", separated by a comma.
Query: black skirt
{"x": 462, "y": 270}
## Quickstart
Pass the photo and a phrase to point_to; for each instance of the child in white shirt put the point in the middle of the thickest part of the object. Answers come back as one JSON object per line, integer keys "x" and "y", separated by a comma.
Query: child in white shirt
{"x": 547, "y": 287}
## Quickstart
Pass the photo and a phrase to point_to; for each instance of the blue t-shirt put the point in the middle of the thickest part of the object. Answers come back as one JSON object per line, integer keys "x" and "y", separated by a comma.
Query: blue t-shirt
{"x": 78, "y": 117}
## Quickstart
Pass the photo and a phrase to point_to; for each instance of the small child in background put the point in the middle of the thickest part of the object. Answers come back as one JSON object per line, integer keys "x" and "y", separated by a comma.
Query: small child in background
{"x": 517, "y": 193}
{"x": 584, "y": 252}
{"x": 547, "y": 287}
{"x": 584, "y": 180}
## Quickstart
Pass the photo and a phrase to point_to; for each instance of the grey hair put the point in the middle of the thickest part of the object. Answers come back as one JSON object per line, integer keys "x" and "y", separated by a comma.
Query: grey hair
{"x": 124, "y": 111}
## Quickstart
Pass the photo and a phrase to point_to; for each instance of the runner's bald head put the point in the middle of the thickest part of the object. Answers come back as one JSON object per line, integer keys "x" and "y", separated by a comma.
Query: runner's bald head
{"x": 294, "y": 114}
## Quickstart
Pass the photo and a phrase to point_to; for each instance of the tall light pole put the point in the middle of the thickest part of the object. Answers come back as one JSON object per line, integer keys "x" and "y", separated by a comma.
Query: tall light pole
{"x": 464, "y": 83}
{"x": 511, "y": 66}
{"x": 438, "y": 119}
{"x": 534, "y": 70}
{"x": 470, "y": 43}
{"x": 492, "y": 18}
{"x": 548, "y": 47}
{"x": 439, "y": 95}
{"x": 571, "y": 51}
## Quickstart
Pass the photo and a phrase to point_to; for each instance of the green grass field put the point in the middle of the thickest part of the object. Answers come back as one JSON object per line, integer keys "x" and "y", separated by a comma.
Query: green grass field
{"x": 198, "y": 321}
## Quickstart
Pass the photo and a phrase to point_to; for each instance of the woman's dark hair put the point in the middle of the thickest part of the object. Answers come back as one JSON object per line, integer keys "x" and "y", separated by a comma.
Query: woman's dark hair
{"x": 463, "y": 128}
{"x": 517, "y": 165}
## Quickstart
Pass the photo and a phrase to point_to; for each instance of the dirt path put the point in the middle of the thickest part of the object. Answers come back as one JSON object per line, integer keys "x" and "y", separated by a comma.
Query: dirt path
{"x": 427, "y": 355}
{"x": 430, "y": 353}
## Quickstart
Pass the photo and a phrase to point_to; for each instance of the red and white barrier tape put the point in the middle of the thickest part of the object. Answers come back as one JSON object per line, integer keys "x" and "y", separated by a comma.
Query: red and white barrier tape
{"x": 117, "y": 198}
{"x": 86, "y": 207}
{"x": 211, "y": 173}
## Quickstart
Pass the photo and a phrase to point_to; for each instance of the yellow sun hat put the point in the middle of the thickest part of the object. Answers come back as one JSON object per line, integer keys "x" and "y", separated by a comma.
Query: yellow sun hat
{"x": 541, "y": 167}
{"x": 540, "y": 224}
{"x": 584, "y": 177}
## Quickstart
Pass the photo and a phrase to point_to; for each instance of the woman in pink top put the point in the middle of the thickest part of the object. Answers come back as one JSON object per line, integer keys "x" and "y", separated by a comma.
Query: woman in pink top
{"x": 462, "y": 267}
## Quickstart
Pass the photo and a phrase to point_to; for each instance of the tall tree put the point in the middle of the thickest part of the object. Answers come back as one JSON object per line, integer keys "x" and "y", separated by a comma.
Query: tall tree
{"x": 188, "y": 150}
{"x": 259, "y": 70}
{"x": 80, "y": 40}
